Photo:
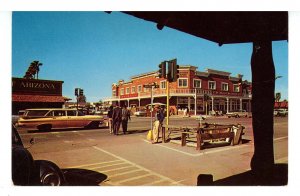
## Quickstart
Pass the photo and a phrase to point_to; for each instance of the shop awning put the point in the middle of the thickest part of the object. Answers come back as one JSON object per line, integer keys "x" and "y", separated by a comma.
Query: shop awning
{"x": 37, "y": 98}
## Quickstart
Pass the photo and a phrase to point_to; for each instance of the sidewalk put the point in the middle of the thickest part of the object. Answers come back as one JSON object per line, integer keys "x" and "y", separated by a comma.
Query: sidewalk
{"x": 192, "y": 116}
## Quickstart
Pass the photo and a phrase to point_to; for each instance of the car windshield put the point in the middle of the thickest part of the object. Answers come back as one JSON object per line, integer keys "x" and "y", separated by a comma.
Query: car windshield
{"x": 80, "y": 113}
{"x": 36, "y": 112}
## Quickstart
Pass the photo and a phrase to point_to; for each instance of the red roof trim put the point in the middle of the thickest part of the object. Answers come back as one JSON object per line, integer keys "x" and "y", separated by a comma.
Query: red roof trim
{"x": 37, "y": 98}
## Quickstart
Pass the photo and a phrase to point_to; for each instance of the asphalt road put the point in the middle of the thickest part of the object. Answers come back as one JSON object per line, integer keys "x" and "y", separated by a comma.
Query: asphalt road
{"x": 95, "y": 157}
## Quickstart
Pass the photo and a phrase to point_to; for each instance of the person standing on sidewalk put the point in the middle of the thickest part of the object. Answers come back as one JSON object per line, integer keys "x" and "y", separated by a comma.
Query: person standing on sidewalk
{"x": 117, "y": 119}
{"x": 159, "y": 118}
{"x": 110, "y": 121}
{"x": 125, "y": 118}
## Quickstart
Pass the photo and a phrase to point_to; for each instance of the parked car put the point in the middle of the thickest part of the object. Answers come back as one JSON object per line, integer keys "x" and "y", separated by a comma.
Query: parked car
{"x": 15, "y": 118}
{"x": 27, "y": 171}
{"x": 237, "y": 114}
{"x": 48, "y": 118}
{"x": 280, "y": 112}
{"x": 140, "y": 113}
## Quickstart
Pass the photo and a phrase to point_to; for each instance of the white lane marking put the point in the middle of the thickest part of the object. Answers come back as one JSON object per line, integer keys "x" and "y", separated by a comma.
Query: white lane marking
{"x": 280, "y": 138}
{"x": 103, "y": 166}
{"x": 136, "y": 178}
{"x": 91, "y": 164}
{"x": 155, "y": 182}
{"x": 66, "y": 141}
{"x": 90, "y": 139}
{"x": 127, "y": 172}
{"x": 202, "y": 153}
{"x": 115, "y": 169}
{"x": 138, "y": 166}
{"x": 186, "y": 153}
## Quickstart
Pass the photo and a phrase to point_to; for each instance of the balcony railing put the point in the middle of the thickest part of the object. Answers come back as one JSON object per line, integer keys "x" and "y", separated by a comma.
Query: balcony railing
{"x": 173, "y": 92}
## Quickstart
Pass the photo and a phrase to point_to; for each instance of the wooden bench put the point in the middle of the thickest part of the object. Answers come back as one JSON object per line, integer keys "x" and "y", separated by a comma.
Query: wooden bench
{"x": 232, "y": 132}
{"x": 212, "y": 134}
{"x": 208, "y": 132}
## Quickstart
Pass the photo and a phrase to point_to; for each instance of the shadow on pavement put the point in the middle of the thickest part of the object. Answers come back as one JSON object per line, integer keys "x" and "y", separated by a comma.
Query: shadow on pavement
{"x": 278, "y": 177}
{"x": 63, "y": 129}
{"x": 136, "y": 131}
{"x": 83, "y": 177}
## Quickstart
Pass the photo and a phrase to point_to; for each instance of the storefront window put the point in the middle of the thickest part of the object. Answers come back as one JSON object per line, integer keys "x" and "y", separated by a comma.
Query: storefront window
{"x": 197, "y": 83}
{"x": 163, "y": 84}
{"x": 224, "y": 86}
{"x": 236, "y": 88}
{"x": 182, "y": 82}
{"x": 212, "y": 85}
{"x": 139, "y": 88}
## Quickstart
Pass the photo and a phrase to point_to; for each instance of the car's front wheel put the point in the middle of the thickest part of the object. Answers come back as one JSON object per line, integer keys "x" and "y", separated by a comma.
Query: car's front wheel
{"x": 44, "y": 127}
{"x": 93, "y": 125}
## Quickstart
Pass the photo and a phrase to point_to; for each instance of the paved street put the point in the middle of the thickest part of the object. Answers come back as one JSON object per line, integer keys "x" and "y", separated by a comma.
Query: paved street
{"x": 95, "y": 157}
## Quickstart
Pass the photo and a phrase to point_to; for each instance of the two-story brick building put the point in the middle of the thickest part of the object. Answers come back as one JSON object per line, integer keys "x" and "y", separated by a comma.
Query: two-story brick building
{"x": 226, "y": 93}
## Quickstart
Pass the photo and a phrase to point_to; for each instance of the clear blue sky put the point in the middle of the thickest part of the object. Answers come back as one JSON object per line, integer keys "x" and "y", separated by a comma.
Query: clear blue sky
{"x": 92, "y": 50}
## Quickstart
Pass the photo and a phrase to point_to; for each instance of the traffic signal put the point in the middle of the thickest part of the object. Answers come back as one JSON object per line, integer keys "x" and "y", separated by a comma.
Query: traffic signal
{"x": 173, "y": 70}
{"x": 162, "y": 70}
{"x": 76, "y": 91}
{"x": 80, "y": 92}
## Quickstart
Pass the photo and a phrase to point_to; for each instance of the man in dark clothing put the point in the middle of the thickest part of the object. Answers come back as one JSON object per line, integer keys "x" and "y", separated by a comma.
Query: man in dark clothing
{"x": 110, "y": 121}
{"x": 160, "y": 115}
{"x": 125, "y": 117}
{"x": 117, "y": 118}
{"x": 159, "y": 118}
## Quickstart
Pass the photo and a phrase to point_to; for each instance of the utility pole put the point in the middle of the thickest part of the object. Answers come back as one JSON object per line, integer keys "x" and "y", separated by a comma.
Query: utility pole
{"x": 168, "y": 104}
{"x": 151, "y": 86}
{"x": 171, "y": 73}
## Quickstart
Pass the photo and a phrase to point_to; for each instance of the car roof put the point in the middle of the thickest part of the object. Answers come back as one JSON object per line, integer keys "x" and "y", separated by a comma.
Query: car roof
{"x": 51, "y": 109}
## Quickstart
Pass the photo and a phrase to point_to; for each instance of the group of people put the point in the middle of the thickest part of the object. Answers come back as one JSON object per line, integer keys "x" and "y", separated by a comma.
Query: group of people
{"x": 118, "y": 116}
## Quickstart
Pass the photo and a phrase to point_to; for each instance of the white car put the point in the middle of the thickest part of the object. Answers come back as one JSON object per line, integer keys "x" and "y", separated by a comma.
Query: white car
{"x": 237, "y": 114}
{"x": 48, "y": 118}
{"x": 280, "y": 112}
{"x": 140, "y": 113}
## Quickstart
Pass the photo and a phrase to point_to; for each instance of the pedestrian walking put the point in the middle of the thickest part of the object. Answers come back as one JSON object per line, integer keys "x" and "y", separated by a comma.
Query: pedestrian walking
{"x": 125, "y": 118}
{"x": 110, "y": 121}
{"x": 117, "y": 119}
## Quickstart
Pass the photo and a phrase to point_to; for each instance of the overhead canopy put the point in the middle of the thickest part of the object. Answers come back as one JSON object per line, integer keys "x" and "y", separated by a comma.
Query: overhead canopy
{"x": 223, "y": 27}
{"x": 37, "y": 98}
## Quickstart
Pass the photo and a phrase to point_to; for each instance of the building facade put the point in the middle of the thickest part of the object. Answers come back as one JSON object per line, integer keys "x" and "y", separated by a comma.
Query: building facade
{"x": 226, "y": 93}
{"x": 36, "y": 93}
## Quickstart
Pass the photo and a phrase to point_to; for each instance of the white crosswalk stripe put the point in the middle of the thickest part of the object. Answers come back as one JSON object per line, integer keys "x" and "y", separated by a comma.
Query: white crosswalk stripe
{"x": 121, "y": 172}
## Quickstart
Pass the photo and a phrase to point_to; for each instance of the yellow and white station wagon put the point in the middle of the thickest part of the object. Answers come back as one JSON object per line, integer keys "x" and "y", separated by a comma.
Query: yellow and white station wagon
{"x": 48, "y": 118}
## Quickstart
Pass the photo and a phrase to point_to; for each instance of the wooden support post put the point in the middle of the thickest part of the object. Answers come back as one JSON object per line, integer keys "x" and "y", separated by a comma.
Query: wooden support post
{"x": 263, "y": 85}
{"x": 163, "y": 132}
{"x": 198, "y": 147}
{"x": 183, "y": 139}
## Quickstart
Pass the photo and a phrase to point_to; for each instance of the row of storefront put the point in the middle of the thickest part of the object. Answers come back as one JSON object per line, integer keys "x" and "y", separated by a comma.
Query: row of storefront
{"x": 225, "y": 92}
